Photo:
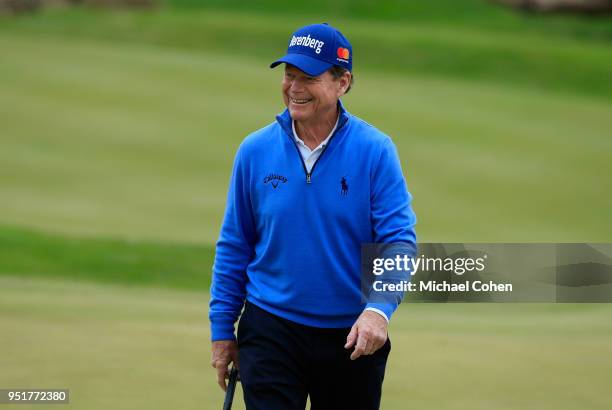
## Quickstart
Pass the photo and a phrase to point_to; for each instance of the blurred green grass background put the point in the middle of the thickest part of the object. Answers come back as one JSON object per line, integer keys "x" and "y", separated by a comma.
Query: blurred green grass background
{"x": 118, "y": 130}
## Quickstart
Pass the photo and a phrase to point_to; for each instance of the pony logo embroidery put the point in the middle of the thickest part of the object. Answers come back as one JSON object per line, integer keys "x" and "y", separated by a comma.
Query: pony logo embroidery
{"x": 343, "y": 187}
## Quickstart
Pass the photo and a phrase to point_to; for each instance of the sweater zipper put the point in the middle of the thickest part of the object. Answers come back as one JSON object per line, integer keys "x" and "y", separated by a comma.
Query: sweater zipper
{"x": 309, "y": 174}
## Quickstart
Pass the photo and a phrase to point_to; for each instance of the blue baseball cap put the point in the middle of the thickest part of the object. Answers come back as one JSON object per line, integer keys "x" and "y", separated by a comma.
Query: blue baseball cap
{"x": 314, "y": 49}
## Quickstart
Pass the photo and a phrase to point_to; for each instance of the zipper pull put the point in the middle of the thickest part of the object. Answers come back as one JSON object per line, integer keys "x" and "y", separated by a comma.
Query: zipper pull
{"x": 308, "y": 178}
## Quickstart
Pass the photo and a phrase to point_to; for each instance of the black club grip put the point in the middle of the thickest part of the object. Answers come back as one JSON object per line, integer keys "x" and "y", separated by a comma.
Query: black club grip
{"x": 231, "y": 389}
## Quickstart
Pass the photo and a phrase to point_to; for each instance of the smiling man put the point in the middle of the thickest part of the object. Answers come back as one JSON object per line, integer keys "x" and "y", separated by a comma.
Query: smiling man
{"x": 305, "y": 193}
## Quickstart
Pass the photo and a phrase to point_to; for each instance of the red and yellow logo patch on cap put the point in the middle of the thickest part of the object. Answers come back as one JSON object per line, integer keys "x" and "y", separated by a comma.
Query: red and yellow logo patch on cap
{"x": 343, "y": 53}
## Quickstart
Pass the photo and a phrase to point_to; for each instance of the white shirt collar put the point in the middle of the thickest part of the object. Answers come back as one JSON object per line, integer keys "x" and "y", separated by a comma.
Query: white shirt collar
{"x": 322, "y": 144}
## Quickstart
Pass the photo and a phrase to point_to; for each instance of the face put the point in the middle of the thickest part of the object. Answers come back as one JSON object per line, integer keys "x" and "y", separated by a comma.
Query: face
{"x": 312, "y": 99}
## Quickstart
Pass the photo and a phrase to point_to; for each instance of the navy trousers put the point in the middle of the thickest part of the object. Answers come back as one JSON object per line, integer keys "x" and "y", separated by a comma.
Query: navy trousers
{"x": 283, "y": 362}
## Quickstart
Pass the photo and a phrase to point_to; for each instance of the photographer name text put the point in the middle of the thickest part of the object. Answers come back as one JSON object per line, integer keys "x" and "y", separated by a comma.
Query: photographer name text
{"x": 441, "y": 286}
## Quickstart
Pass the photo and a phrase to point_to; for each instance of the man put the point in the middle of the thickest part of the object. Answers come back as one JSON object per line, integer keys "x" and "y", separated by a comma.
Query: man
{"x": 305, "y": 193}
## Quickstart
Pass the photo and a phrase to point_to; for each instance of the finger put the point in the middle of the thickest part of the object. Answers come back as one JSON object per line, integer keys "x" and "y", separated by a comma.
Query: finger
{"x": 236, "y": 361}
{"x": 221, "y": 375}
{"x": 350, "y": 339}
{"x": 359, "y": 347}
{"x": 370, "y": 345}
{"x": 379, "y": 342}
{"x": 369, "y": 349}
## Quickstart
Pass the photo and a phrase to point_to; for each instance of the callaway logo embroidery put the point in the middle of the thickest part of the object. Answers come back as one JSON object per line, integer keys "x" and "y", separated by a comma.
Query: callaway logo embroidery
{"x": 307, "y": 42}
{"x": 343, "y": 187}
{"x": 274, "y": 180}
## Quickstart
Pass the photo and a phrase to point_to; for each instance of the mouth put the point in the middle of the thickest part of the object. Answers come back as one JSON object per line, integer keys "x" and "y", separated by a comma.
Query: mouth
{"x": 300, "y": 101}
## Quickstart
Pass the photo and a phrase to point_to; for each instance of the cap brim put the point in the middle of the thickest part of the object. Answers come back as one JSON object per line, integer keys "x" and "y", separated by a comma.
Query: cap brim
{"x": 307, "y": 64}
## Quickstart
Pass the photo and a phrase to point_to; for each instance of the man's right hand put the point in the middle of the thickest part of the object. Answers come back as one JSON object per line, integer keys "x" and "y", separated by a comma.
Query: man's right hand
{"x": 224, "y": 352}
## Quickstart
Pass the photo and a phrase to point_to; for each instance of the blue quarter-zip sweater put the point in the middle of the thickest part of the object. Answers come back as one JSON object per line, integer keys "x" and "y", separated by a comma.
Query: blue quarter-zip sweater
{"x": 291, "y": 240}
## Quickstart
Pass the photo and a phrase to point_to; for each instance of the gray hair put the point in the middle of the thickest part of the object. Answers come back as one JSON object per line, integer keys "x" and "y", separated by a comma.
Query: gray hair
{"x": 338, "y": 72}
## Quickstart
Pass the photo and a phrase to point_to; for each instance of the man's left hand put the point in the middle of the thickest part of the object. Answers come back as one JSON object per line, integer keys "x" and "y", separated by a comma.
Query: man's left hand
{"x": 368, "y": 334}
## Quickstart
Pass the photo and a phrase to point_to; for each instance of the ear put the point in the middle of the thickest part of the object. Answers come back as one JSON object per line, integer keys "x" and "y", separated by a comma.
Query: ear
{"x": 344, "y": 81}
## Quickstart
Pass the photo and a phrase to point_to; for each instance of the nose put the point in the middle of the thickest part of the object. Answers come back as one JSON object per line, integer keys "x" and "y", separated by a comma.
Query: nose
{"x": 296, "y": 85}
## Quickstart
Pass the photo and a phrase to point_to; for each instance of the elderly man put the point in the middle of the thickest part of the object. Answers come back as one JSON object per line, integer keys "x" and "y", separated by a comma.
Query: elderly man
{"x": 305, "y": 193}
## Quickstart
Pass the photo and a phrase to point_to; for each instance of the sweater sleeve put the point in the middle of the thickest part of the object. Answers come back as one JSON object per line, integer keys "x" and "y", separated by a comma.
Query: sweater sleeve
{"x": 392, "y": 218}
{"x": 234, "y": 251}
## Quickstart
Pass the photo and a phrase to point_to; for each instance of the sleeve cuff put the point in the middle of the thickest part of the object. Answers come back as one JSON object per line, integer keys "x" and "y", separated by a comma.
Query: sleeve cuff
{"x": 384, "y": 309}
{"x": 222, "y": 331}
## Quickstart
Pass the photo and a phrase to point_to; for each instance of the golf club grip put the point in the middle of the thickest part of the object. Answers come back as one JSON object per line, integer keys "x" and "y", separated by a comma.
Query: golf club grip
{"x": 231, "y": 388}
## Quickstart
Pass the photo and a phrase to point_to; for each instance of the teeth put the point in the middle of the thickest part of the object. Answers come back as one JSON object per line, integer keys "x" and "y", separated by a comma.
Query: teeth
{"x": 295, "y": 100}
